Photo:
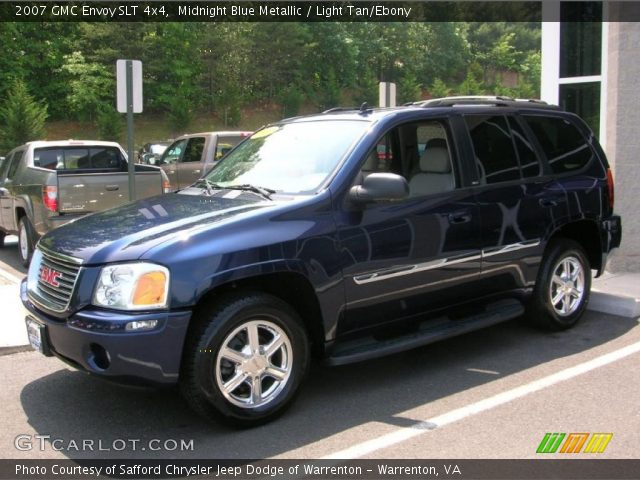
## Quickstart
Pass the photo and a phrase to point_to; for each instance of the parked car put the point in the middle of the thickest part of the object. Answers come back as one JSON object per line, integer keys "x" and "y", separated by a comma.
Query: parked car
{"x": 151, "y": 152}
{"x": 347, "y": 235}
{"x": 191, "y": 156}
{"x": 46, "y": 184}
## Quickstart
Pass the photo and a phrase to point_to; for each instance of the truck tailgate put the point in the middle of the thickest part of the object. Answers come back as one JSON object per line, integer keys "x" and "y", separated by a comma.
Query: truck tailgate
{"x": 92, "y": 192}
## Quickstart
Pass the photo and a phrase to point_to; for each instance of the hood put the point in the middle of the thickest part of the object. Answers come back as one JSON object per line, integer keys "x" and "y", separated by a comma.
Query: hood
{"x": 126, "y": 232}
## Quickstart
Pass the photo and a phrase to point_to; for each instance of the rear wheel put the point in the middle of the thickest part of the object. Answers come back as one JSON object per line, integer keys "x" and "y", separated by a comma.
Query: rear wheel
{"x": 25, "y": 240}
{"x": 245, "y": 359}
{"x": 563, "y": 287}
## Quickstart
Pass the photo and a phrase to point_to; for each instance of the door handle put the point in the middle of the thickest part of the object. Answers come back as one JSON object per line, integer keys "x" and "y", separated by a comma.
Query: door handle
{"x": 196, "y": 172}
{"x": 547, "y": 202}
{"x": 459, "y": 217}
{"x": 112, "y": 188}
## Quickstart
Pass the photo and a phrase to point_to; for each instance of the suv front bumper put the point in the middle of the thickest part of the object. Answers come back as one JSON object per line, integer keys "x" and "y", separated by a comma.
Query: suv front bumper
{"x": 92, "y": 340}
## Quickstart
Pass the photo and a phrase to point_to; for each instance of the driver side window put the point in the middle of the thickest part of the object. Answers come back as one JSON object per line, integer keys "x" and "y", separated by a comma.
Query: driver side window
{"x": 418, "y": 151}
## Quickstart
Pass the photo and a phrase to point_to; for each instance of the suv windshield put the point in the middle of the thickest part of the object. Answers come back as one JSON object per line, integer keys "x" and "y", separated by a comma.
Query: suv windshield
{"x": 289, "y": 158}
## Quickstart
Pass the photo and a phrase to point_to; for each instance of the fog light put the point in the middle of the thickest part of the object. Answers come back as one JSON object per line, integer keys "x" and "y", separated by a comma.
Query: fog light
{"x": 141, "y": 325}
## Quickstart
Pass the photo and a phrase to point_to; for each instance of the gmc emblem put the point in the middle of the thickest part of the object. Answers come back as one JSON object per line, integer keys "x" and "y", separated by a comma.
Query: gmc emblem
{"x": 50, "y": 276}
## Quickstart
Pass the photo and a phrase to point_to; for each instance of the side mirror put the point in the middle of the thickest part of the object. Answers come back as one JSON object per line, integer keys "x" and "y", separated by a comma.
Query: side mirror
{"x": 379, "y": 187}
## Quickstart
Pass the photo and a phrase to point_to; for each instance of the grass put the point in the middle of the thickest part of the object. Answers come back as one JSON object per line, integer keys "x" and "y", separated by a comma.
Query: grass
{"x": 150, "y": 127}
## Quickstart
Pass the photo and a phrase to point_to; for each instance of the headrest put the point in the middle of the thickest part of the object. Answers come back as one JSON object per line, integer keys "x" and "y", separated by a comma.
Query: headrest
{"x": 436, "y": 142}
{"x": 435, "y": 160}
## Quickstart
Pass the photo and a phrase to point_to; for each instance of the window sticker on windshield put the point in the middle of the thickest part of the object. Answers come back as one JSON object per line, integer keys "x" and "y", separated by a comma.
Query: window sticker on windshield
{"x": 265, "y": 132}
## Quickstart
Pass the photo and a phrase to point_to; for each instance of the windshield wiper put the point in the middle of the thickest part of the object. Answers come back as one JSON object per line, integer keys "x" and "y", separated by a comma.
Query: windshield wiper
{"x": 210, "y": 186}
{"x": 263, "y": 191}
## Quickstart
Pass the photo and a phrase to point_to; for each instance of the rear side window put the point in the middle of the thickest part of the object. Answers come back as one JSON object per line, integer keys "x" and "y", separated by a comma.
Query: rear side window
{"x": 78, "y": 158}
{"x": 15, "y": 163}
{"x": 563, "y": 144}
{"x": 528, "y": 159}
{"x": 495, "y": 156}
{"x": 4, "y": 165}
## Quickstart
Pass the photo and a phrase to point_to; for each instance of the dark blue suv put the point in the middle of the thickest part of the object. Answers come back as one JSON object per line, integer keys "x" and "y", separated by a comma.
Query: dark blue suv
{"x": 346, "y": 235}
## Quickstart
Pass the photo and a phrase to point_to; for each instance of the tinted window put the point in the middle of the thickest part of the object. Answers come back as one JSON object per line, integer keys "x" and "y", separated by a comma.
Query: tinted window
{"x": 529, "y": 163}
{"x": 193, "y": 152}
{"x": 15, "y": 162}
{"x": 496, "y": 158}
{"x": 77, "y": 158}
{"x": 4, "y": 164}
{"x": 562, "y": 143}
{"x": 105, "y": 158}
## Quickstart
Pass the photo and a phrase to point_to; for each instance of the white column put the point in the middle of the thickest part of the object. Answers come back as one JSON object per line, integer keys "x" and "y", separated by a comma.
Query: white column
{"x": 550, "y": 65}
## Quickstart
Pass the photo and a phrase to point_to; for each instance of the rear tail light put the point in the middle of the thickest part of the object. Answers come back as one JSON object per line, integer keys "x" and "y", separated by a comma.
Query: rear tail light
{"x": 50, "y": 198}
{"x": 166, "y": 186}
{"x": 610, "y": 189}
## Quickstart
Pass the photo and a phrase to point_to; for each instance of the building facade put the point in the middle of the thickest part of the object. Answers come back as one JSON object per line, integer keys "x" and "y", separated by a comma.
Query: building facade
{"x": 591, "y": 66}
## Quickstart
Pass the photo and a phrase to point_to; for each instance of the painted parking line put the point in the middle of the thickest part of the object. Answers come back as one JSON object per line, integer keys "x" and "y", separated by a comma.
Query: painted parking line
{"x": 420, "y": 428}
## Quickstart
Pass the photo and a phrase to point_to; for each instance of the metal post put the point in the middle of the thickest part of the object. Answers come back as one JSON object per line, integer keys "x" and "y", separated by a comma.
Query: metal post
{"x": 132, "y": 166}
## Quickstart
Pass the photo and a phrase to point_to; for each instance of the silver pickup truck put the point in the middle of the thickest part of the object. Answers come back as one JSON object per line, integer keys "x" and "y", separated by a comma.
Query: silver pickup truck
{"x": 191, "y": 156}
{"x": 46, "y": 184}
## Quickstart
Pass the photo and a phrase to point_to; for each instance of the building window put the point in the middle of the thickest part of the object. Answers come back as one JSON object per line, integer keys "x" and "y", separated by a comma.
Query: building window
{"x": 580, "y": 39}
{"x": 583, "y": 99}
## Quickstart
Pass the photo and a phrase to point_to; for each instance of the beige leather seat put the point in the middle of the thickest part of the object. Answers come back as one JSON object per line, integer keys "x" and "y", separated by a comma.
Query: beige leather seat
{"x": 435, "y": 173}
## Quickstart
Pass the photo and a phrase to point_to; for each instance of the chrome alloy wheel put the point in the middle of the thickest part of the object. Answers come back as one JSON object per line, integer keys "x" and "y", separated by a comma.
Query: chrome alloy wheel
{"x": 567, "y": 286}
{"x": 254, "y": 364}
{"x": 23, "y": 241}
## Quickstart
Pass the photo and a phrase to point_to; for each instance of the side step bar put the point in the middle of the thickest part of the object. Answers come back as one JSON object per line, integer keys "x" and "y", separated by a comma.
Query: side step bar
{"x": 367, "y": 348}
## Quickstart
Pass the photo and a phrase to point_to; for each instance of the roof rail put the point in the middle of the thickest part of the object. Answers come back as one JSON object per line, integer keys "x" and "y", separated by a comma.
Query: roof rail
{"x": 499, "y": 101}
{"x": 341, "y": 109}
{"x": 362, "y": 109}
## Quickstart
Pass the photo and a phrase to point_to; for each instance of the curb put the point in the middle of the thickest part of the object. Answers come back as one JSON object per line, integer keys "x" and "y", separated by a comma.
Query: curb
{"x": 619, "y": 305}
{"x": 10, "y": 277}
{"x": 17, "y": 349}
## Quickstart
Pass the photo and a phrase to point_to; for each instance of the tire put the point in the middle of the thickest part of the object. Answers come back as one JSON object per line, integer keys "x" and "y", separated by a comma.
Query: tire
{"x": 25, "y": 240}
{"x": 220, "y": 352}
{"x": 2, "y": 236}
{"x": 565, "y": 268}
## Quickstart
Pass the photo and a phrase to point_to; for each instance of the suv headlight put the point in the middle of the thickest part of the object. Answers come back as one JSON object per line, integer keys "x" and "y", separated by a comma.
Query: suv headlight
{"x": 132, "y": 286}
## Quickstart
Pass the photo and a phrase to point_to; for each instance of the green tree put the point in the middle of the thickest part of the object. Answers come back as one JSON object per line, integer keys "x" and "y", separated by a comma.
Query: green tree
{"x": 34, "y": 52}
{"x": 90, "y": 85}
{"x": 409, "y": 89}
{"x": 439, "y": 89}
{"x": 109, "y": 123}
{"x": 22, "y": 117}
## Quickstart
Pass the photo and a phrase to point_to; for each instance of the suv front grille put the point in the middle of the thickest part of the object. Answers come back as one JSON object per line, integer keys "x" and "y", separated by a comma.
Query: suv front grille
{"x": 56, "y": 279}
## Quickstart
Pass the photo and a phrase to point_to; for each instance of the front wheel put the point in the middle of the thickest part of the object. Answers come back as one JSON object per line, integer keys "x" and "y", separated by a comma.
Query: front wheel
{"x": 25, "y": 240}
{"x": 563, "y": 287}
{"x": 245, "y": 359}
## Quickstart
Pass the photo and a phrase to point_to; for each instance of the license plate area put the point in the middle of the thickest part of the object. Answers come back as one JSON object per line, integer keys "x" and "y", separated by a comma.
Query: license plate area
{"x": 37, "y": 333}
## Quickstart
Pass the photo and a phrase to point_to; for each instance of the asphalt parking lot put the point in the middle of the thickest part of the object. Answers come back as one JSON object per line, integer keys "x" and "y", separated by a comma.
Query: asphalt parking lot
{"x": 488, "y": 394}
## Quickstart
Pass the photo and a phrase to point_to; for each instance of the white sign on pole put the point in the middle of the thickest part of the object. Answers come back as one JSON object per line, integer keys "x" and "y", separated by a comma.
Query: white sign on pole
{"x": 121, "y": 77}
{"x": 387, "y": 94}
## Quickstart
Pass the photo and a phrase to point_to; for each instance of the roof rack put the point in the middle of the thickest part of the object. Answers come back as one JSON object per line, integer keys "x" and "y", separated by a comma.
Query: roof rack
{"x": 499, "y": 101}
{"x": 363, "y": 109}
